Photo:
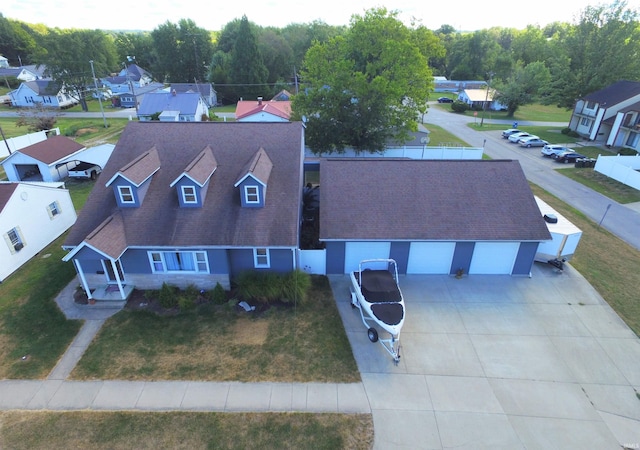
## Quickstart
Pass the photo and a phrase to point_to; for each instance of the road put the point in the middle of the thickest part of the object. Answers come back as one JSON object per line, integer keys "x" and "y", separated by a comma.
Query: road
{"x": 621, "y": 220}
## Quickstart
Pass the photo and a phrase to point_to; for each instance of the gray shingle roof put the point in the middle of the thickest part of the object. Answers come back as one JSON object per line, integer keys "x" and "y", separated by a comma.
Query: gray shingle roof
{"x": 52, "y": 149}
{"x": 221, "y": 221}
{"x": 615, "y": 93}
{"x": 155, "y": 102}
{"x": 392, "y": 199}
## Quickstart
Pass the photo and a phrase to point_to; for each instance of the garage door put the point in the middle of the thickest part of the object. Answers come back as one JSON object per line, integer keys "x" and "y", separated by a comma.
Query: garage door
{"x": 494, "y": 258}
{"x": 430, "y": 257}
{"x": 355, "y": 252}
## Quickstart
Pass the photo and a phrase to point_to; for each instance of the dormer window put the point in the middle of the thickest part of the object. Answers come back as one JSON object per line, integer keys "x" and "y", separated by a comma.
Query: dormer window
{"x": 252, "y": 194}
{"x": 126, "y": 194}
{"x": 189, "y": 195}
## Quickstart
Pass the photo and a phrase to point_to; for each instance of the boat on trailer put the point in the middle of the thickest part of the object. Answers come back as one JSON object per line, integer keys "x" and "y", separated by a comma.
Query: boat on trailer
{"x": 376, "y": 293}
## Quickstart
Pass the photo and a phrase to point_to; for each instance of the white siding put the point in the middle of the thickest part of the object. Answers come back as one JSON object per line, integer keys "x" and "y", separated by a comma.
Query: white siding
{"x": 430, "y": 257}
{"x": 357, "y": 251}
{"x": 494, "y": 258}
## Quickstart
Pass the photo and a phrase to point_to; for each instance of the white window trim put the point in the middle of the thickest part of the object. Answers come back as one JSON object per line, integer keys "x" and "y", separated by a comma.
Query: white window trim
{"x": 19, "y": 240}
{"x": 164, "y": 269}
{"x": 247, "y": 194}
{"x": 56, "y": 208}
{"x": 126, "y": 190}
{"x": 185, "y": 194}
{"x": 256, "y": 258}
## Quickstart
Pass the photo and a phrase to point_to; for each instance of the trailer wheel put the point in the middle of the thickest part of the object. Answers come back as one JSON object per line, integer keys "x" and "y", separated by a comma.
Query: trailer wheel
{"x": 93, "y": 175}
{"x": 373, "y": 334}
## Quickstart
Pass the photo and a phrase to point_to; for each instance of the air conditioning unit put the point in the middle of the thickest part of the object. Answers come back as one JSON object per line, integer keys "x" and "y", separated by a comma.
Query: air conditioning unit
{"x": 19, "y": 246}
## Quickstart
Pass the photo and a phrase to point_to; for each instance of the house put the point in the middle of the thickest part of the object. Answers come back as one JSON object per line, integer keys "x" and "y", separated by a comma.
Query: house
{"x": 441, "y": 84}
{"x": 173, "y": 107}
{"x": 263, "y": 111}
{"x": 206, "y": 90}
{"x": 477, "y": 98}
{"x": 282, "y": 96}
{"x": 190, "y": 203}
{"x": 46, "y": 160}
{"x": 432, "y": 217}
{"x": 625, "y": 128}
{"x": 132, "y": 75}
{"x": 32, "y": 215}
{"x": 4, "y": 62}
{"x": 596, "y": 115}
{"x": 132, "y": 99}
{"x": 47, "y": 93}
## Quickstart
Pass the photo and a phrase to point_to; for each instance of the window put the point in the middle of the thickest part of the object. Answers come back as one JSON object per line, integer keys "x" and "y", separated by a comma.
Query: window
{"x": 126, "y": 194}
{"x": 14, "y": 240}
{"x": 179, "y": 262}
{"x": 251, "y": 194}
{"x": 585, "y": 122}
{"x": 591, "y": 105}
{"x": 189, "y": 194}
{"x": 53, "y": 209}
{"x": 261, "y": 258}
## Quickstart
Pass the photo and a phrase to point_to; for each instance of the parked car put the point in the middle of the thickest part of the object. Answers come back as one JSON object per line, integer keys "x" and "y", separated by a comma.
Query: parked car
{"x": 553, "y": 149}
{"x": 509, "y": 132}
{"x": 85, "y": 170}
{"x": 568, "y": 157}
{"x": 515, "y": 137}
{"x": 445, "y": 100}
{"x": 532, "y": 142}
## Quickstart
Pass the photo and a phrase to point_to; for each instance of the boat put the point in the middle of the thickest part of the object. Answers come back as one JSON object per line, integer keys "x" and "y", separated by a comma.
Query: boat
{"x": 376, "y": 293}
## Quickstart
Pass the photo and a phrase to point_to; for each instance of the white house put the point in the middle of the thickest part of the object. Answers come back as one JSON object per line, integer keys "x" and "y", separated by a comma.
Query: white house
{"x": 48, "y": 160}
{"x": 476, "y": 98}
{"x": 32, "y": 215}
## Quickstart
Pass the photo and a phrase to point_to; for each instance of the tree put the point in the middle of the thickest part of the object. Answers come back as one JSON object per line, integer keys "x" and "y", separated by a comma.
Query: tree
{"x": 68, "y": 56}
{"x": 16, "y": 44}
{"x": 364, "y": 88}
{"x": 246, "y": 68}
{"x": 523, "y": 87}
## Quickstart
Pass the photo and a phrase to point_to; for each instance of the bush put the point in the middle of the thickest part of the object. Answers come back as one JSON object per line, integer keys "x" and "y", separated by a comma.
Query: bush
{"x": 192, "y": 292}
{"x": 295, "y": 286}
{"x": 627, "y": 152}
{"x": 186, "y": 303}
{"x": 267, "y": 287}
{"x": 566, "y": 130}
{"x": 168, "y": 296}
{"x": 459, "y": 106}
{"x": 219, "y": 296}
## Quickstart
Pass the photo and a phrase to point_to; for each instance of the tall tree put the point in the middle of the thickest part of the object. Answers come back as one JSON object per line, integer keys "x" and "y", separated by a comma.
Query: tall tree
{"x": 16, "y": 44}
{"x": 364, "y": 88}
{"x": 246, "y": 69}
{"x": 524, "y": 86}
{"x": 68, "y": 56}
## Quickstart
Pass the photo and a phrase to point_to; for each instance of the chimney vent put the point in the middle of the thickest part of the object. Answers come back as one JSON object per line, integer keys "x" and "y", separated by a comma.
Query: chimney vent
{"x": 173, "y": 92}
{"x": 259, "y": 100}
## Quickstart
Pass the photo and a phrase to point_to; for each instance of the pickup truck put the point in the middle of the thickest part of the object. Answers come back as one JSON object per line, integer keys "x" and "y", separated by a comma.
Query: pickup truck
{"x": 85, "y": 170}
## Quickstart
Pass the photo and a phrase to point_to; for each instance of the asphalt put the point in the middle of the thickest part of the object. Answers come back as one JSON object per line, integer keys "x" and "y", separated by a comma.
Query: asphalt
{"x": 487, "y": 362}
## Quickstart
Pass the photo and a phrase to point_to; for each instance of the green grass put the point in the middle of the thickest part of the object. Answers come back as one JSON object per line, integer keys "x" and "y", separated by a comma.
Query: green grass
{"x": 301, "y": 343}
{"x": 81, "y": 129}
{"x": 535, "y": 112}
{"x": 609, "y": 264}
{"x": 438, "y": 136}
{"x": 224, "y": 109}
{"x": 609, "y": 187}
{"x": 184, "y": 430}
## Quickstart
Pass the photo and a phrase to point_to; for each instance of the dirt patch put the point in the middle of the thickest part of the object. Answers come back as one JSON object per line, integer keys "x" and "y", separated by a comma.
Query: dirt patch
{"x": 83, "y": 131}
{"x": 249, "y": 332}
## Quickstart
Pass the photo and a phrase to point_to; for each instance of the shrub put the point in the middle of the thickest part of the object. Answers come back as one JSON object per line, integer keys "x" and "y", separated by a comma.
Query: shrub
{"x": 566, "y": 130}
{"x": 219, "y": 296}
{"x": 168, "y": 296}
{"x": 186, "y": 303}
{"x": 267, "y": 287}
{"x": 192, "y": 292}
{"x": 459, "y": 106}
{"x": 627, "y": 152}
{"x": 295, "y": 286}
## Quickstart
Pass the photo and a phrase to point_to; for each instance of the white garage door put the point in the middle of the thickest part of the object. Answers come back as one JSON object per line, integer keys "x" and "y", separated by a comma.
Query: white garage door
{"x": 430, "y": 257}
{"x": 355, "y": 252}
{"x": 494, "y": 258}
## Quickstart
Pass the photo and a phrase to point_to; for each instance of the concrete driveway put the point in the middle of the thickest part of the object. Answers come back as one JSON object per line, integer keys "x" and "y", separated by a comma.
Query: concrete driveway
{"x": 491, "y": 362}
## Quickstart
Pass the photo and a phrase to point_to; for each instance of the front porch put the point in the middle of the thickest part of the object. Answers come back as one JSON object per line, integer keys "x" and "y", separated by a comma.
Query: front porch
{"x": 110, "y": 292}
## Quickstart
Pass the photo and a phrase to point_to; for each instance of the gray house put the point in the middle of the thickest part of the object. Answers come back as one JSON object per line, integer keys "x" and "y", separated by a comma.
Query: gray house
{"x": 209, "y": 94}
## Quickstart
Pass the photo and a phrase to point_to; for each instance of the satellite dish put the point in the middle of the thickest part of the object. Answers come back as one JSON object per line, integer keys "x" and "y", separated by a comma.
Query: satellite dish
{"x": 424, "y": 140}
{"x": 304, "y": 119}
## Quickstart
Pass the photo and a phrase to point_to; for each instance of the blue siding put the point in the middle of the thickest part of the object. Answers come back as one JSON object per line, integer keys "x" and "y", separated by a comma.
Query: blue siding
{"x": 524, "y": 260}
{"x": 135, "y": 261}
{"x": 87, "y": 254}
{"x": 250, "y": 181}
{"x": 335, "y": 257}
{"x": 122, "y": 182}
{"x": 281, "y": 260}
{"x": 400, "y": 253}
{"x": 462, "y": 257}
{"x": 91, "y": 266}
{"x": 218, "y": 261}
{"x": 185, "y": 181}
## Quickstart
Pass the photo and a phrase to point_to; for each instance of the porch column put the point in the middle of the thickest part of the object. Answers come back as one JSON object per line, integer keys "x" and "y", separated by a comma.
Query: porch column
{"x": 83, "y": 280}
{"x": 116, "y": 275}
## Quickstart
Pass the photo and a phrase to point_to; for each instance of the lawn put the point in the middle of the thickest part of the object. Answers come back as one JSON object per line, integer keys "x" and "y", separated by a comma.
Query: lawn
{"x": 299, "y": 343}
{"x": 439, "y": 136}
{"x": 534, "y": 112}
{"x": 613, "y": 189}
{"x": 84, "y": 131}
{"x": 184, "y": 430}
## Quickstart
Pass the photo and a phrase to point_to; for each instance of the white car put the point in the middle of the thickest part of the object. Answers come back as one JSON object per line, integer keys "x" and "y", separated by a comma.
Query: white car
{"x": 515, "y": 137}
{"x": 552, "y": 149}
{"x": 532, "y": 141}
{"x": 509, "y": 132}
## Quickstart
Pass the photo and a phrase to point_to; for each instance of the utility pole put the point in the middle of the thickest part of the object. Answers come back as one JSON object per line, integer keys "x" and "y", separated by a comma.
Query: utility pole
{"x": 5, "y": 140}
{"x": 98, "y": 93}
{"x": 135, "y": 100}
{"x": 486, "y": 98}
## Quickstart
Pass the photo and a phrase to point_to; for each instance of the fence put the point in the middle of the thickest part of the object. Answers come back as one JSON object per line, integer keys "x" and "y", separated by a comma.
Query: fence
{"x": 621, "y": 168}
{"x": 413, "y": 152}
{"x": 23, "y": 141}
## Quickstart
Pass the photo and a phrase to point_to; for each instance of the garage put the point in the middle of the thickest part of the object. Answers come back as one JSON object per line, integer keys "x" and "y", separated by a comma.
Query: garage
{"x": 430, "y": 257}
{"x": 357, "y": 251}
{"x": 494, "y": 258}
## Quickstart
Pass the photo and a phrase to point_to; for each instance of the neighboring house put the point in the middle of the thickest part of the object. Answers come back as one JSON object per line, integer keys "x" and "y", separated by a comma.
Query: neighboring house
{"x": 32, "y": 215}
{"x": 477, "y": 98}
{"x": 4, "y": 62}
{"x": 206, "y": 90}
{"x": 173, "y": 107}
{"x": 595, "y": 115}
{"x": 263, "y": 111}
{"x": 133, "y": 75}
{"x": 625, "y": 129}
{"x": 282, "y": 96}
{"x": 31, "y": 72}
{"x": 46, "y": 160}
{"x": 133, "y": 99}
{"x": 47, "y": 93}
{"x": 444, "y": 85}
{"x": 432, "y": 217}
{"x": 191, "y": 203}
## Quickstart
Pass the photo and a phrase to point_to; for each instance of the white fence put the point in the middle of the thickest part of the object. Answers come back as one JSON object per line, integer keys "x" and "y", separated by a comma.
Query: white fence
{"x": 26, "y": 140}
{"x": 413, "y": 152}
{"x": 621, "y": 168}
{"x": 313, "y": 261}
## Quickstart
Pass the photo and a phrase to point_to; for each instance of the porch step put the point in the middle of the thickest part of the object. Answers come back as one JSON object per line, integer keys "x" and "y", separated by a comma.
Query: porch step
{"x": 107, "y": 304}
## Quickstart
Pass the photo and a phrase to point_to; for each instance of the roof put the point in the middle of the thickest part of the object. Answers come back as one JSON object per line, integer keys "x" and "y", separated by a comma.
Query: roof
{"x": 615, "y": 93}
{"x": 140, "y": 169}
{"x": 155, "y": 102}
{"x": 246, "y": 108}
{"x": 160, "y": 221}
{"x": 6, "y": 191}
{"x": 259, "y": 167}
{"x": 442, "y": 200}
{"x": 95, "y": 155}
{"x": 201, "y": 168}
{"x": 43, "y": 87}
{"x": 52, "y": 149}
{"x": 204, "y": 89}
{"x": 480, "y": 95}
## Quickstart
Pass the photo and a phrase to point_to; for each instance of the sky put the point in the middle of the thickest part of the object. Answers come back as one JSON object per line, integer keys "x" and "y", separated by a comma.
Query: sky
{"x": 464, "y": 15}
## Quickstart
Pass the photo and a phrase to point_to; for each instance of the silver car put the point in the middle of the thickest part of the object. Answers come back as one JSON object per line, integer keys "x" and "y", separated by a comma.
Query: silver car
{"x": 553, "y": 149}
